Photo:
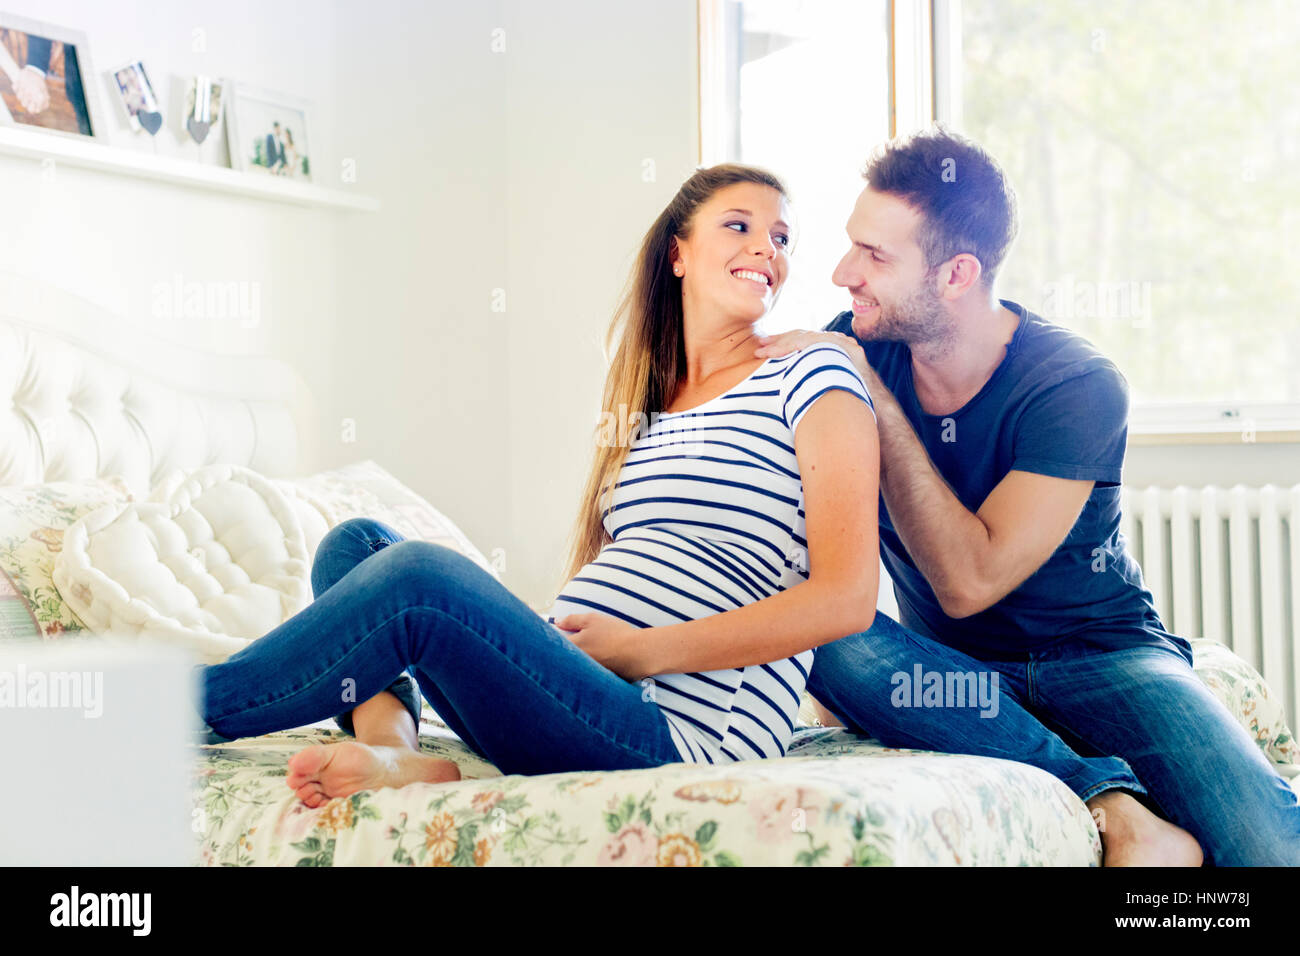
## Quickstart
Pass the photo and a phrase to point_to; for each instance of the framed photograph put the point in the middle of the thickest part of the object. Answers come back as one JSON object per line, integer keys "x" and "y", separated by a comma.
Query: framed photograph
{"x": 203, "y": 101}
{"x": 268, "y": 134}
{"x": 46, "y": 80}
{"x": 138, "y": 99}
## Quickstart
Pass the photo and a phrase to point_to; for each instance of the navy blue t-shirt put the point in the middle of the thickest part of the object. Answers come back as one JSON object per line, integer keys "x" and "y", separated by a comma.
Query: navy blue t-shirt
{"x": 1054, "y": 406}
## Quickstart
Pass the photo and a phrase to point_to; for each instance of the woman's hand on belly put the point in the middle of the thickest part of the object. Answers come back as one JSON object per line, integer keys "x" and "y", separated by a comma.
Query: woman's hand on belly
{"x": 614, "y": 644}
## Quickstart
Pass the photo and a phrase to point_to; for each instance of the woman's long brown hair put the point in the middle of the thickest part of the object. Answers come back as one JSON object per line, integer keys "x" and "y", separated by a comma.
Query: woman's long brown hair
{"x": 650, "y": 359}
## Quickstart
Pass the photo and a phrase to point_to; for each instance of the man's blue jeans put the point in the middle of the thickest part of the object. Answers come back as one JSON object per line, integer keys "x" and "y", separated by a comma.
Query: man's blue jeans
{"x": 509, "y": 684}
{"x": 1066, "y": 710}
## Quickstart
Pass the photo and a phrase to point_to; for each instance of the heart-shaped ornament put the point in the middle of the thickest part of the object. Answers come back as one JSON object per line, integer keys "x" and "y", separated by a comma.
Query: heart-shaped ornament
{"x": 152, "y": 122}
{"x": 198, "y": 129}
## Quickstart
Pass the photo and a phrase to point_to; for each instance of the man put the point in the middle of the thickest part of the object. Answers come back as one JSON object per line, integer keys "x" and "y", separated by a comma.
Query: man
{"x": 274, "y": 149}
{"x": 1002, "y": 439}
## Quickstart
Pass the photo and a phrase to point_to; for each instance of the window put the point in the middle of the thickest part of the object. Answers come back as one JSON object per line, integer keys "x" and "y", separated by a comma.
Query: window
{"x": 801, "y": 88}
{"x": 1152, "y": 146}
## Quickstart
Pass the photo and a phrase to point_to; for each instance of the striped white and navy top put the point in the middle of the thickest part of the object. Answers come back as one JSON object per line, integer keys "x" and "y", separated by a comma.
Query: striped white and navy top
{"x": 708, "y": 515}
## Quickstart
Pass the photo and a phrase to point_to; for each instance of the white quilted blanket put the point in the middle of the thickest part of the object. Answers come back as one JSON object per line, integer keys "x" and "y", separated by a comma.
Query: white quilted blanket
{"x": 216, "y": 560}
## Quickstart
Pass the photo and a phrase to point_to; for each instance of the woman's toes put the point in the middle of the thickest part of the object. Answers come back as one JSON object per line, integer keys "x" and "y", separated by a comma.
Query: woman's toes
{"x": 322, "y": 772}
{"x": 311, "y": 795}
{"x": 308, "y": 762}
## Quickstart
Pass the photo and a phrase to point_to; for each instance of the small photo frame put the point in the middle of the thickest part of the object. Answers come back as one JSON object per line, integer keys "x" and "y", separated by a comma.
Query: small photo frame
{"x": 44, "y": 73}
{"x": 267, "y": 133}
{"x": 204, "y": 98}
{"x": 138, "y": 99}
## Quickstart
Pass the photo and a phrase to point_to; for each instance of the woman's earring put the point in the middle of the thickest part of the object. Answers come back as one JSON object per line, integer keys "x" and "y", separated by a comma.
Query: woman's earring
{"x": 677, "y": 270}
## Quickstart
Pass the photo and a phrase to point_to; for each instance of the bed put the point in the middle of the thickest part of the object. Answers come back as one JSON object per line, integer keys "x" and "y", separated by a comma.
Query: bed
{"x": 94, "y": 428}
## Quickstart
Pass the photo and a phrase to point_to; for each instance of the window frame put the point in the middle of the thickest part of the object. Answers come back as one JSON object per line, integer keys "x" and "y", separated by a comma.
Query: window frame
{"x": 925, "y": 57}
{"x": 1150, "y": 423}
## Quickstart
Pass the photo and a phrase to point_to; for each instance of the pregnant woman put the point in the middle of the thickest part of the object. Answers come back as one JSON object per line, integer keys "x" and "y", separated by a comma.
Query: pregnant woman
{"x": 727, "y": 529}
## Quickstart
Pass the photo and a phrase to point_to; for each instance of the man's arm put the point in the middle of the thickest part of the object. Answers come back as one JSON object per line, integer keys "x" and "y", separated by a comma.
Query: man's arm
{"x": 971, "y": 561}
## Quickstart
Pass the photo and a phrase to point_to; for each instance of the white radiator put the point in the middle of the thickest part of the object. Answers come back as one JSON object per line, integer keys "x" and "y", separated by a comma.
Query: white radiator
{"x": 1224, "y": 563}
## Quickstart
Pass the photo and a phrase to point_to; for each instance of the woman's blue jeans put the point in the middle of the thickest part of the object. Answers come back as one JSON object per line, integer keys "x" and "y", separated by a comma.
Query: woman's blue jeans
{"x": 510, "y": 685}
{"x": 1067, "y": 710}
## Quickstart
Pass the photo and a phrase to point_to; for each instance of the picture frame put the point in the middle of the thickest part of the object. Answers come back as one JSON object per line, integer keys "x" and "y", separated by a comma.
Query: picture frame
{"x": 205, "y": 101}
{"x": 139, "y": 102}
{"x": 47, "y": 80}
{"x": 268, "y": 134}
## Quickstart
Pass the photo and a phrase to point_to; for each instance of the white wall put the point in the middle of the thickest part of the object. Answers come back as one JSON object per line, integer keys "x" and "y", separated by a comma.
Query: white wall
{"x": 1227, "y": 464}
{"x": 601, "y": 97}
{"x": 421, "y": 358}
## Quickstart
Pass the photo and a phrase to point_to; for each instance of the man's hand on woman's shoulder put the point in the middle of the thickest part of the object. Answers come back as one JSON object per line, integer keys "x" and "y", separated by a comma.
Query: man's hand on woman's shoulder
{"x": 775, "y": 346}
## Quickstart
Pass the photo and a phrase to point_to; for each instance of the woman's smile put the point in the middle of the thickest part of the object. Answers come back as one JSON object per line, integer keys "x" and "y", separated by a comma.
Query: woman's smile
{"x": 759, "y": 280}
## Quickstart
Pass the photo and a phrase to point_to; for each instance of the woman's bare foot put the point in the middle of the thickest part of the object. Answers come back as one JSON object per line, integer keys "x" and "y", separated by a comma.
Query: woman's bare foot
{"x": 1131, "y": 835}
{"x": 320, "y": 773}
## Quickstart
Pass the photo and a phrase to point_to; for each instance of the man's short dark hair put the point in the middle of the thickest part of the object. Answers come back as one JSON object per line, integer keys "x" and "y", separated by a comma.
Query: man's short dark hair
{"x": 964, "y": 198}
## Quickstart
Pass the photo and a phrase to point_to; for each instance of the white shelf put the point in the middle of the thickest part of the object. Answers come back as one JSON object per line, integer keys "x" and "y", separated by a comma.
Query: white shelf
{"x": 89, "y": 154}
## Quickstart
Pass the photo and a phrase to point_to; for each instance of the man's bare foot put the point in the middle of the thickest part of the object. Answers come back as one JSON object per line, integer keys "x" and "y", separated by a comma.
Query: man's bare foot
{"x": 320, "y": 773}
{"x": 1131, "y": 835}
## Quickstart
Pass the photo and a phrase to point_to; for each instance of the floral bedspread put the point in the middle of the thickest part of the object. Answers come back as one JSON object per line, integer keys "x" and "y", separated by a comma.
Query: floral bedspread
{"x": 836, "y": 800}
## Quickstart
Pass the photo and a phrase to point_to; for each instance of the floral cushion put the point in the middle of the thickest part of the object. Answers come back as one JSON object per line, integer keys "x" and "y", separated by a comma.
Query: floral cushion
{"x": 17, "y": 620}
{"x": 1250, "y": 700}
{"x": 869, "y": 806}
{"x": 32, "y": 521}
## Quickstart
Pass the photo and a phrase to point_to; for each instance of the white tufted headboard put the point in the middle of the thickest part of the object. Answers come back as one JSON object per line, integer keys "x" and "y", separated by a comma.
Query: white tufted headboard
{"x": 89, "y": 395}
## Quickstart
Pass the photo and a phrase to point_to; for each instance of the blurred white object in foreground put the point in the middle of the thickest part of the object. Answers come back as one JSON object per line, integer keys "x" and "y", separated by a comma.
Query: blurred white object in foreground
{"x": 96, "y": 769}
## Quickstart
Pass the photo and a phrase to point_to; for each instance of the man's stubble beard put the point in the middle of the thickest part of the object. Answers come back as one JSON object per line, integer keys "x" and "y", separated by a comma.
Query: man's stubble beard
{"x": 919, "y": 321}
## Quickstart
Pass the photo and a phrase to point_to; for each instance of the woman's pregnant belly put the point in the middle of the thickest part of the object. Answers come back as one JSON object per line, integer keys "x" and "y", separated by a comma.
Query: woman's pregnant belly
{"x": 652, "y": 577}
